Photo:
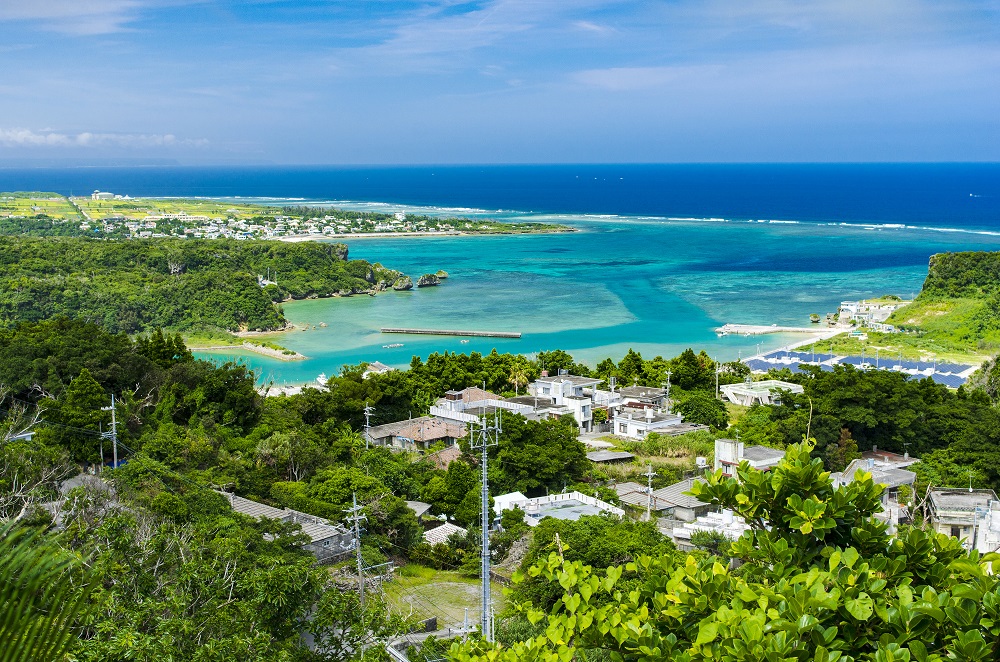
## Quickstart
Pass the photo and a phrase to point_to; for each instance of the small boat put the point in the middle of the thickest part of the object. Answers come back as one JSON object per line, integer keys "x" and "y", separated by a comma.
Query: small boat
{"x": 465, "y": 342}
{"x": 392, "y": 345}
{"x": 322, "y": 379}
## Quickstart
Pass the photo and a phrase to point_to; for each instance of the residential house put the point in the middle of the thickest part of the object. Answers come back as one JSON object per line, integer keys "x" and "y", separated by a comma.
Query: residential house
{"x": 730, "y": 453}
{"x": 886, "y": 469}
{"x": 960, "y": 512}
{"x": 327, "y": 541}
{"x": 375, "y": 368}
{"x": 637, "y": 423}
{"x": 568, "y": 506}
{"x": 439, "y": 535}
{"x": 568, "y": 390}
{"x": 417, "y": 433}
{"x": 764, "y": 392}
{"x": 670, "y": 501}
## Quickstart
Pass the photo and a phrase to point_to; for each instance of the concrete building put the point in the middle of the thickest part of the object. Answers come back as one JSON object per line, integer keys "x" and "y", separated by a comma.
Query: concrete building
{"x": 568, "y": 390}
{"x": 417, "y": 433}
{"x": 641, "y": 397}
{"x": 467, "y": 405}
{"x": 757, "y": 393}
{"x": 670, "y": 501}
{"x": 886, "y": 469}
{"x": 327, "y": 542}
{"x": 568, "y": 506}
{"x": 960, "y": 512}
{"x": 726, "y": 522}
{"x": 637, "y": 423}
{"x": 729, "y": 453}
{"x": 102, "y": 195}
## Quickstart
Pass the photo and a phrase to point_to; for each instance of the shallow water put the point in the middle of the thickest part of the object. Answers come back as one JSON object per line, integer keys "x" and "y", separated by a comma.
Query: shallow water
{"x": 654, "y": 285}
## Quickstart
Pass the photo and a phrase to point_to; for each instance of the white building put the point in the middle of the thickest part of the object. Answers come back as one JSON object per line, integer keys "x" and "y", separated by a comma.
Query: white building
{"x": 962, "y": 513}
{"x": 729, "y": 453}
{"x": 888, "y": 469}
{"x": 637, "y": 423}
{"x": 568, "y": 390}
{"x": 764, "y": 392}
{"x": 568, "y": 506}
{"x": 102, "y": 195}
{"x": 727, "y": 523}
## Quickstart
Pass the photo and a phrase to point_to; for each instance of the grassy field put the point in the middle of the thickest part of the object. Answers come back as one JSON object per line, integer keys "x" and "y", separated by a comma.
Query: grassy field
{"x": 914, "y": 347}
{"x": 421, "y": 592}
{"x": 138, "y": 208}
{"x": 28, "y": 204}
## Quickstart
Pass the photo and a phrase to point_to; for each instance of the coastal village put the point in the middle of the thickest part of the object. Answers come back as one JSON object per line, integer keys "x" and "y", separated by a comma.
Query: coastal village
{"x": 116, "y": 215}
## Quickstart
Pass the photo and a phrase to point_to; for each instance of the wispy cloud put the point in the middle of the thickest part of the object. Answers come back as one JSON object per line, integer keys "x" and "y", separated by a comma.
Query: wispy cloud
{"x": 639, "y": 78}
{"x": 87, "y": 17}
{"x": 19, "y": 137}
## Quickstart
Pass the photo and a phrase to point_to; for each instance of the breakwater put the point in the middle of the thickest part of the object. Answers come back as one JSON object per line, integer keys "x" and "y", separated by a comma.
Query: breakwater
{"x": 453, "y": 332}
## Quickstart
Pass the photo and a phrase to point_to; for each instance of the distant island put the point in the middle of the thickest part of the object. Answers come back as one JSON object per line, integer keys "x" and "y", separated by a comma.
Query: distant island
{"x": 109, "y": 215}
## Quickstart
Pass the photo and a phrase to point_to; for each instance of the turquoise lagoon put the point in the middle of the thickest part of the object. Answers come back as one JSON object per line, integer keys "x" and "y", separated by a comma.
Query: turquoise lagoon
{"x": 656, "y": 285}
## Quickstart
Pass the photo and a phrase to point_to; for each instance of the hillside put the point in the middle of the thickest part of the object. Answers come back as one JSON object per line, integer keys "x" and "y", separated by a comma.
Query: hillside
{"x": 959, "y": 304}
{"x": 140, "y": 285}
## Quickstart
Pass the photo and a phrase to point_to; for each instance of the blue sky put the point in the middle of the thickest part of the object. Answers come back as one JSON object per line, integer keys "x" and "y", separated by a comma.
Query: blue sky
{"x": 497, "y": 81}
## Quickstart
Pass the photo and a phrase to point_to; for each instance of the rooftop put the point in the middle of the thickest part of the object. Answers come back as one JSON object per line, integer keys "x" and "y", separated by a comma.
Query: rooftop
{"x": 424, "y": 428}
{"x": 763, "y": 454}
{"x": 961, "y": 499}
{"x": 764, "y": 386}
{"x": 674, "y": 494}
{"x": 568, "y": 506}
{"x": 608, "y": 456}
{"x": 882, "y": 473}
{"x": 576, "y": 380}
{"x": 644, "y": 415}
{"x": 418, "y": 507}
{"x": 642, "y": 392}
{"x": 441, "y": 534}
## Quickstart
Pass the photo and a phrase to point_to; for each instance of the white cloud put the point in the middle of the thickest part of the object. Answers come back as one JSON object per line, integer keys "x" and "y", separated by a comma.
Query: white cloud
{"x": 19, "y": 137}
{"x": 72, "y": 16}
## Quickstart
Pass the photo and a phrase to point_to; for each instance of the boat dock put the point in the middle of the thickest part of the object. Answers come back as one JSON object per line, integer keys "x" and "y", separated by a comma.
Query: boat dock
{"x": 452, "y": 332}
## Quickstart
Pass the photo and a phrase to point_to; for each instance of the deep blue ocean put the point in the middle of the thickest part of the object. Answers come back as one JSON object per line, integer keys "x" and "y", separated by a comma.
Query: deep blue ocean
{"x": 664, "y": 255}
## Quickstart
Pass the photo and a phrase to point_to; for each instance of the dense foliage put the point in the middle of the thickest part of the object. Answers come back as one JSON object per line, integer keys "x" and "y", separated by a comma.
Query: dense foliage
{"x": 172, "y": 283}
{"x": 822, "y": 580}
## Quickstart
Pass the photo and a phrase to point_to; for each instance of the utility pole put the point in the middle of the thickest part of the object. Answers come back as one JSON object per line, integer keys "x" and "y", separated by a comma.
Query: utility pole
{"x": 716, "y": 378}
{"x": 368, "y": 413}
{"x": 649, "y": 491}
{"x": 114, "y": 431}
{"x": 488, "y": 435}
{"x": 669, "y": 403}
{"x": 356, "y": 517}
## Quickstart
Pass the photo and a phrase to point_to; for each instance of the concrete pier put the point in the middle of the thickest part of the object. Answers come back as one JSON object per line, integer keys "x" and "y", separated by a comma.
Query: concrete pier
{"x": 452, "y": 332}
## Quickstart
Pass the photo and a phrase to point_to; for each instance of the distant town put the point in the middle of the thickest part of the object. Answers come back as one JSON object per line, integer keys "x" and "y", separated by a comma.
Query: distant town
{"x": 109, "y": 214}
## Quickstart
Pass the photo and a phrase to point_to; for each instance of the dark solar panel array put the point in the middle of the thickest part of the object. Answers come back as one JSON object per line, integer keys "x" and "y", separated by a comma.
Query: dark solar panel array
{"x": 887, "y": 363}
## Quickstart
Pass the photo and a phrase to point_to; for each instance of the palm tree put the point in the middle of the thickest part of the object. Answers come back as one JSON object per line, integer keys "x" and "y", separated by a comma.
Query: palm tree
{"x": 42, "y": 596}
{"x": 518, "y": 376}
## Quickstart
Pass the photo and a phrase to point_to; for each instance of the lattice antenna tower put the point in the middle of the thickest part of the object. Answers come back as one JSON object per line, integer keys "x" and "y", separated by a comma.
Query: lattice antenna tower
{"x": 487, "y": 434}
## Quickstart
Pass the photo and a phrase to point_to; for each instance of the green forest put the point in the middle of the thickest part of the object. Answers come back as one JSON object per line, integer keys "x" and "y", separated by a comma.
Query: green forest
{"x": 178, "y": 284}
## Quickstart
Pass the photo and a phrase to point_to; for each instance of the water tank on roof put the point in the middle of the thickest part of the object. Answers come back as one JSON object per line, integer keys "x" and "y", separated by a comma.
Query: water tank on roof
{"x": 727, "y": 517}
{"x": 701, "y": 462}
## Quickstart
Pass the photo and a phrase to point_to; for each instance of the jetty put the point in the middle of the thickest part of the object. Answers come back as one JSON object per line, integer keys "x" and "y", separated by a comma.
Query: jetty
{"x": 759, "y": 330}
{"x": 453, "y": 332}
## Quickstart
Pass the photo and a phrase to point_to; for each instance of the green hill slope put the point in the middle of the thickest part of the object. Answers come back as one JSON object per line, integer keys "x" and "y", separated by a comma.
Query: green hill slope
{"x": 177, "y": 284}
